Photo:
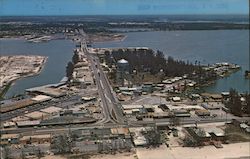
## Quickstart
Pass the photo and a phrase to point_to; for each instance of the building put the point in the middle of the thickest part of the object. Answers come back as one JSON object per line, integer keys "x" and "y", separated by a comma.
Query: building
{"x": 36, "y": 115}
{"x": 206, "y": 134}
{"x": 9, "y": 139}
{"x": 148, "y": 88}
{"x": 138, "y": 138}
{"x": 202, "y": 112}
{"x": 181, "y": 113}
{"x": 216, "y": 133}
{"x": 45, "y": 138}
{"x": 48, "y": 90}
{"x": 28, "y": 123}
{"x": 8, "y": 124}
{"x": 51, "y": 110}
{"x": 211, "y": 106}
{"x": 176, "y": 99}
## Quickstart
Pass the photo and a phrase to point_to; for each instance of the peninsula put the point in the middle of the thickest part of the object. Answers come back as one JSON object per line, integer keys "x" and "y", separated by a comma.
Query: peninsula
{"x": 15, "y": 67}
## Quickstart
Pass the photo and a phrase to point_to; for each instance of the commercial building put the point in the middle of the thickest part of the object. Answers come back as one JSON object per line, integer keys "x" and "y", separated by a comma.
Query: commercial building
{"x": 8, "y": 124}
{"x": 206, "y": 134}
{"x": 181, "y": 113}
{"x": 51, "y": 110}
{"x": 47, "y": 90}
{"x": 28, "y": 123}
{"x": 16, "y": 104}
{"x": 40, "y": 139}
{"x": 137, "y": 136}
{"x": 9, "y": 139}
{"x": 36, "y": 115}
{"x": 202, "y": 112}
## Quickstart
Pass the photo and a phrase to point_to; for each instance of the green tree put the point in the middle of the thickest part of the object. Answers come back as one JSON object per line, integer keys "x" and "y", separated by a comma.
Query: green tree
{"x": 62, "y": 143}
{"x": 69, "y": 70}
{"x": 234, "y": 103}
{"x": 75, "y": 58}
{"x": 247, "y": 105}
{"x": 6, "y": 152}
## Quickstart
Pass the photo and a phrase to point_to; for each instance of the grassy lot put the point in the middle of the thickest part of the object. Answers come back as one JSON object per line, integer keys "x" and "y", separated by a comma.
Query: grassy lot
{"x": 236, "y": 134}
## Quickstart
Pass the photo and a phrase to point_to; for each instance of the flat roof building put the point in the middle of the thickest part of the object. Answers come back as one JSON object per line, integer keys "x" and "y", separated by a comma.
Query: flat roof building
{"x": 51, "y": 110}
{"x": 37, "y": 115}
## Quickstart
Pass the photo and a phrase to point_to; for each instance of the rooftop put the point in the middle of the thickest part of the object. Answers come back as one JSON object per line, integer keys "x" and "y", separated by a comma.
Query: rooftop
{"x": 51, "y": 109}
{"x": 122, "y": 61}
{"x": 36, "y": 115}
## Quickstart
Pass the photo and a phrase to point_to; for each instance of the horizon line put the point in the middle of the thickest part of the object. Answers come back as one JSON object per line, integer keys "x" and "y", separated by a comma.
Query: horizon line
{"x": 55, "y": 15}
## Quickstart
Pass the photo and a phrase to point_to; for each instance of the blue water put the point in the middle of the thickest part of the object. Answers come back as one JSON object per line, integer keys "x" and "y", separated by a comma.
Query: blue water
{"x": 205, "y": 46}
{"x": 59, "y": 53}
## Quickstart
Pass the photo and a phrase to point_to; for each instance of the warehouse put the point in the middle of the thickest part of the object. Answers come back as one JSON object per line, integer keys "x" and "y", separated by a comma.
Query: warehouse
{"x": 9, "y": 138}
{"x": 45, "y": 138}
{"x": 41, "y": 98}
{"x": 51, "y": 110}
{"x": 203, "y": 112}
{"x": 28, "y": 123}
{"x": 37, "y": 115}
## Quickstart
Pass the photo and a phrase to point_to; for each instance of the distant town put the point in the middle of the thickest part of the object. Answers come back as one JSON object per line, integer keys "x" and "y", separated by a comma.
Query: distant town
{"x": 119, "y": 102}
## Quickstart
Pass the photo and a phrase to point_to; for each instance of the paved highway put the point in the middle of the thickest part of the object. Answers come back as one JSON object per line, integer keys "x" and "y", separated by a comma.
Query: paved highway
{"x": 111, "y": 108}
{"x": 159, "y": 122}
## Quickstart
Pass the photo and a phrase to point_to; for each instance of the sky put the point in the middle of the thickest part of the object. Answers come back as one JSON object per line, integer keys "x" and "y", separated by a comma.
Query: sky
{"x": 121, "y": 7}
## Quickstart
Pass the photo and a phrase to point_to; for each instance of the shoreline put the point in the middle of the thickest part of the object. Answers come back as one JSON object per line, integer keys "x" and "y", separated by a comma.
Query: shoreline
{"x": 98, "y": 42}
{"x": 12, "y": 82}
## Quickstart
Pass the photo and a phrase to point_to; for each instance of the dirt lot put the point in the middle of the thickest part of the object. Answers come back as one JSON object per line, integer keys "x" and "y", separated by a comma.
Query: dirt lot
{"x": 209, "y": 152}
{"x": 116, "y": 156}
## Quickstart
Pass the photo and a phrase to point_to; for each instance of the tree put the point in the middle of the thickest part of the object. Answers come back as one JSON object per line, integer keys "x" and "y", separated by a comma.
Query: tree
{"x": 69, "y": 70}
{"x": 39, "y": 153}
{"x": 234, "y": 103}
{"x": 22, "y": 154}
{"x": 62, "y": 143}
{"x": 6, "y": 152}
{"x": 153, "y": 137}
{"x": 189, "y": 142}
{"x": 247, "y": 105}
{"x": 75, "y": 58}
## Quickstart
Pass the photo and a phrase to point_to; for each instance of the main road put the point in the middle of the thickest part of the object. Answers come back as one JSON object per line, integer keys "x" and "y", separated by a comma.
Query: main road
{"x": 110, "y": 105}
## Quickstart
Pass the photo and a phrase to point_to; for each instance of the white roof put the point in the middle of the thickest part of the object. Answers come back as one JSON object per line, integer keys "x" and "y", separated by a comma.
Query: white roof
{"x": 41, "y": 98}
{"x": 122, "y": 61}
{"x": 51, "y": 109}
{"x": 36, "y": 115}
{"x": 132, "y": 106}
{"x": 127, "y": 111}
{"x": 225, "y": 93}
{"x": 140, "y": 140}
{"x": 28, "y": 122}
{"x": 176, "y": 98}
{"x": 9, "y": 123}
{"x": 215, "y": 130}
{"x": 243, "y": 125}
{"x": 135, "y": 110}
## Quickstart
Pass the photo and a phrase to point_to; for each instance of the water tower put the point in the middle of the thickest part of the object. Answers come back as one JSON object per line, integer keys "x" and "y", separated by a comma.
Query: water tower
{"x": 122, "y": 71}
